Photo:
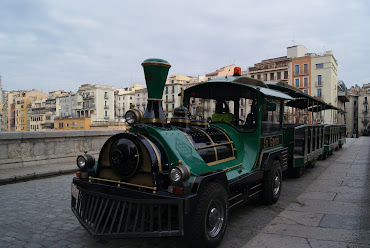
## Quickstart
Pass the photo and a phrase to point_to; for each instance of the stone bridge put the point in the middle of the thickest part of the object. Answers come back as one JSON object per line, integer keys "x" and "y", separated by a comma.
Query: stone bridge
{"x": 24, "y": 149}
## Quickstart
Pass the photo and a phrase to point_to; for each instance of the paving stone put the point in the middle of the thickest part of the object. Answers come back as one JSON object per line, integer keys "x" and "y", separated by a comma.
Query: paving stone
{"x": 327, "y": 207}
{"x": 314, "y": 243}
{"x": 352, "y": 198}
{"x": 299, "y": 218}
{"x": 328, "y": 196}
{"x": 320, "y": 233}
{"x": 263, "y": 240}
{"x": 345, "y": 222}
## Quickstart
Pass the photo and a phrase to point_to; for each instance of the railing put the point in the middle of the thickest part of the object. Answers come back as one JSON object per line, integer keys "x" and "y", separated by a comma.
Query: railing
{"x": 106, "y": 107}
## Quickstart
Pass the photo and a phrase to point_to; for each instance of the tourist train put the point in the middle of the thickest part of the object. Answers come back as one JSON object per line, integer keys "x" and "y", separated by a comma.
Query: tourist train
{"x": 181, "y": 176}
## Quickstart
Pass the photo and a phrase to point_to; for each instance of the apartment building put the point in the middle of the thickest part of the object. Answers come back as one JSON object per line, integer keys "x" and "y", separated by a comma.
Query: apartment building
{"x": 67, "y": 105}
{"x": 83, "y": 123}
{"x": 222, "y": 72}
{"x": 275, "y": 69}
{"x": 97, "y": 102}
{"x": 312, "y": 73}
{"x": 1, "y": 96}
{"x": 22, "y": 104}
{"x": 124, "y": 99}
{"x": 343, "y": 100}
{"x": 357, "y": 110}
{"x": 8, "y": 113}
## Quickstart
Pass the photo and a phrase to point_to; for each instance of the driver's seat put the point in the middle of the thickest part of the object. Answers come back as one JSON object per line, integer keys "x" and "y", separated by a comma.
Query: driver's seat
{"x": 226, "y": 117}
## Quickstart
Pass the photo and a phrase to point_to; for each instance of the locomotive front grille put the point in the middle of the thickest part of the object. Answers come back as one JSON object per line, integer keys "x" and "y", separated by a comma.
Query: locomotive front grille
{"x": 118, "y": 217}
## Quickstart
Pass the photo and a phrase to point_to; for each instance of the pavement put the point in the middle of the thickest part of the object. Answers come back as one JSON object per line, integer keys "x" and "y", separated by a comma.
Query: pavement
{"x": 332, "y": 211}
{"x": 33, "y": 172}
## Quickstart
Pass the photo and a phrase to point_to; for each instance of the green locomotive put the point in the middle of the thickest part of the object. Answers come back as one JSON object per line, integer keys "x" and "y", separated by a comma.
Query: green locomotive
{"x": 180, "y": 177}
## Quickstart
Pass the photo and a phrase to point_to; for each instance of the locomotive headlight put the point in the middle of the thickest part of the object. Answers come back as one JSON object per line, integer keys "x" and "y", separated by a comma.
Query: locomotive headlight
{"x": 85, "y": 161}
{"x": 175, "y": 174}
{"x": 180, "y": 173}
{"x": 133, "y": 116}
{"x": 81, "y": 162}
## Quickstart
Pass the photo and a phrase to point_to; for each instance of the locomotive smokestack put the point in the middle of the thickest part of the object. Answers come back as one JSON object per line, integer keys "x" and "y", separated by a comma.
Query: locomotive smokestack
{"x": 156, "y": 71}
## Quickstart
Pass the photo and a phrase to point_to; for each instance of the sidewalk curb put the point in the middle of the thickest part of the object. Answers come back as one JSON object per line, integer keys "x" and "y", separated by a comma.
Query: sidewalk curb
{"x": 34, "y": 175}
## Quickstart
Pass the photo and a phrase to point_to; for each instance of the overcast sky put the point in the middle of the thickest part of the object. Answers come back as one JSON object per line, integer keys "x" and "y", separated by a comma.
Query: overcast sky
{"x": 50, "y": 45}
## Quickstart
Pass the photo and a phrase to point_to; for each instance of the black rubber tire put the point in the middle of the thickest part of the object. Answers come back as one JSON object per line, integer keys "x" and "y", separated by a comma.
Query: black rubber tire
{"x": 212, "y": 206}
{"x": 297, "y": 172}
{"x": 324, "y": 156}
{"x": 272, "y": 183}
{"x": 311, "y": 164}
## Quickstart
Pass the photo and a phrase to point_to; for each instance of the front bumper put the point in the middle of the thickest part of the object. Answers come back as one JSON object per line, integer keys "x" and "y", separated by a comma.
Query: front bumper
{"x": 114, "y": 212}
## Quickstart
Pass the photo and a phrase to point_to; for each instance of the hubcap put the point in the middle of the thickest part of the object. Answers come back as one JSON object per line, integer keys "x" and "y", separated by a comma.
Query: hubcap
{"x": 215, "y": 219}
{"x": 277, "y": 184}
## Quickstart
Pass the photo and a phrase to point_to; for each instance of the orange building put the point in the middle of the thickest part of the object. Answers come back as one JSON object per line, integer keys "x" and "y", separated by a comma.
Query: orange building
{"x": 72, "y": 123}
{"x": 301, "y": 74}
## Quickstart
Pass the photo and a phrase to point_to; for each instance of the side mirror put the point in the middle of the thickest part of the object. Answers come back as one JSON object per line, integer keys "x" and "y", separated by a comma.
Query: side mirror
{"x": 271, "y": 106}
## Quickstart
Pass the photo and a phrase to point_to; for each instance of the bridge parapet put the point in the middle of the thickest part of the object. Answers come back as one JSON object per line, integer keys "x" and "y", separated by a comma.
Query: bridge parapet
{"x": 22, "y": 149}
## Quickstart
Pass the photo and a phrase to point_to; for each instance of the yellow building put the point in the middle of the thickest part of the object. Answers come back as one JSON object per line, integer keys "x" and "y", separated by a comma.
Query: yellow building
{"x": 23, "y": 101}
{"x": 72, "y": 123}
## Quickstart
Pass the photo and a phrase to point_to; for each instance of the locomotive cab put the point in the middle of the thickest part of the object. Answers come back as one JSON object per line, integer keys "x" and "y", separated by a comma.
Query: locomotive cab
{"x": 180, "y": 177}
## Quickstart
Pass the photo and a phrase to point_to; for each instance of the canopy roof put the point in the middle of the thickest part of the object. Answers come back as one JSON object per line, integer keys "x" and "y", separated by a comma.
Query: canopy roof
{"x": 302, "y": 100}
{"x": 229, "y": 88}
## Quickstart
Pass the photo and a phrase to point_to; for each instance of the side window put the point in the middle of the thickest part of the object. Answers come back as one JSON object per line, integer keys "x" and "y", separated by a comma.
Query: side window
{"x": 271, "y": 117}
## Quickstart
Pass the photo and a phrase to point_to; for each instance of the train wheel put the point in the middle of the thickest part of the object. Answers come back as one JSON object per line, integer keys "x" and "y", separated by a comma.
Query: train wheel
{"x": 207, "y": 225}
{"x": 297, "y": 172}
{"x": 272, "y": 183}
{"x": 311, "y": 164}
{"x": 324, "y": 156}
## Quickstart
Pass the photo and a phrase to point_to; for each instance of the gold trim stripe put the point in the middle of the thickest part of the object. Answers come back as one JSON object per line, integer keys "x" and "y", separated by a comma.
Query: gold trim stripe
{"x": 156, "y": 120}
{"x": 209, "y": 137}
{"x": 124, "y": 183}
{"x": 153, "y": 63}
{"x": 180, "y": 120}
{"x": 221, "y": 161}
{"x": 155, "y": 151}
{"x": 229, "y": 168}
{"x": 217, "y": 144}
{"x": 232, "y": 145}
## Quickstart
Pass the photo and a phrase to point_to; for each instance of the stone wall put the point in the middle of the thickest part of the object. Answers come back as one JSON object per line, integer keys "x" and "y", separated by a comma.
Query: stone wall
{"x": 21, "y": 149}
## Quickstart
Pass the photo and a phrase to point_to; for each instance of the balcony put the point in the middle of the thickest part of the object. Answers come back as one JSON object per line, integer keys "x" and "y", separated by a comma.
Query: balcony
{"x": 318, "y": 84}
{"x": 365, "y": 102}
{"x": 106, "y": 107}
{"x": 169, "y": 101}
{"x": 106, "y": 117}
{"x": 87, "y": 96}
{"x": 300, "y": 73}
{"x": 106, "y": 96}
{"x": 365, "y": 111}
